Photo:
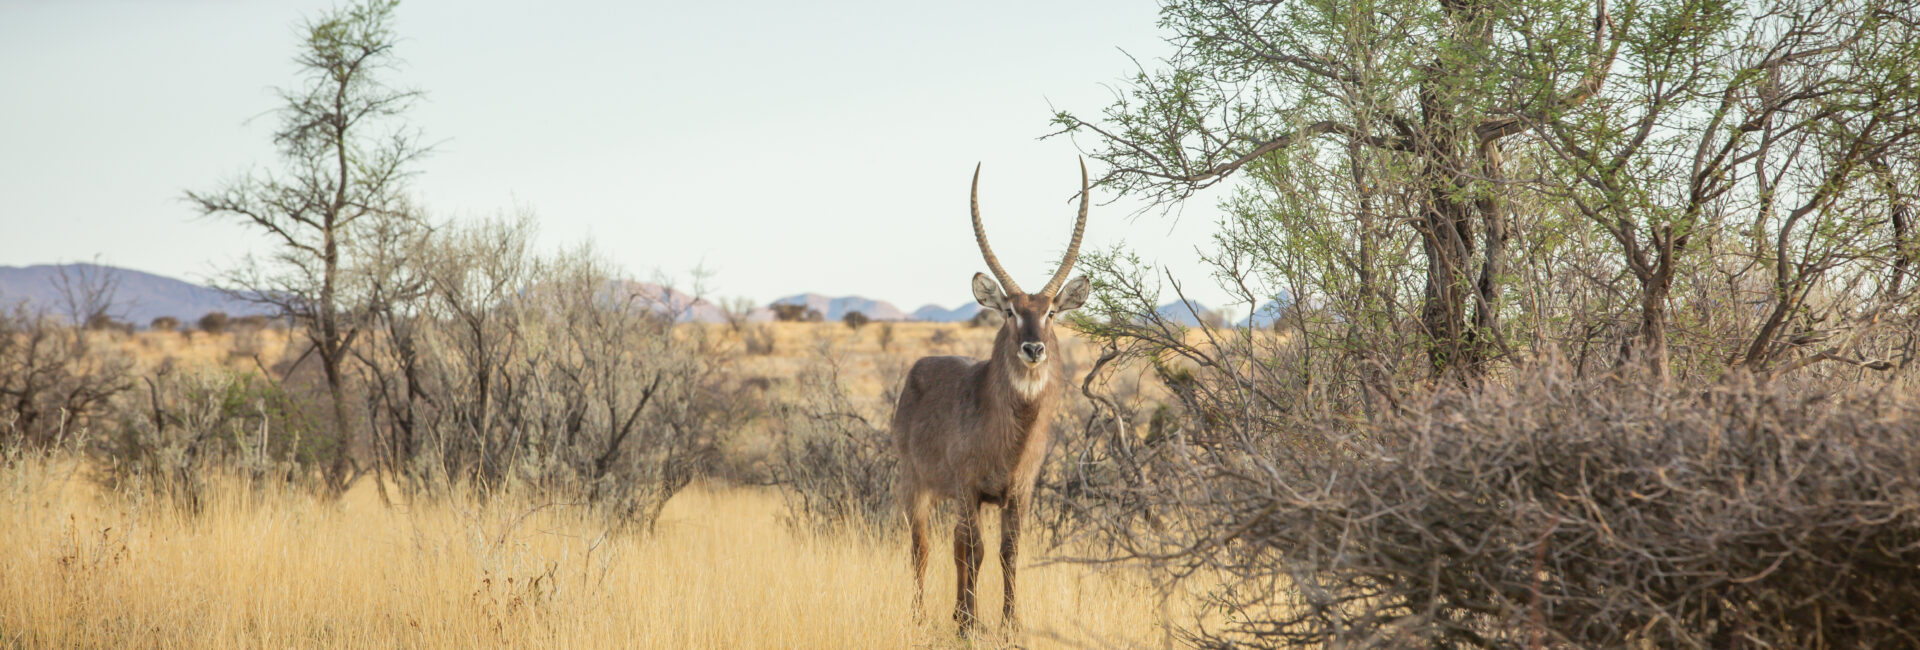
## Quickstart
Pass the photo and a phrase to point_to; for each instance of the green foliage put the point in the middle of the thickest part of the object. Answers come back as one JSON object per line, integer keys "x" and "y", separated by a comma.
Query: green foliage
{"x": 1482, "y": 180}
{"x": 1521, "y": 238}
{"x": 184, "y": 428}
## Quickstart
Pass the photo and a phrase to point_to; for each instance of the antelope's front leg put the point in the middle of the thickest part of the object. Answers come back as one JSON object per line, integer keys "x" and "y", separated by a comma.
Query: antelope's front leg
{"x": 1010, "y": 516}
{"x": 968, "y": 551}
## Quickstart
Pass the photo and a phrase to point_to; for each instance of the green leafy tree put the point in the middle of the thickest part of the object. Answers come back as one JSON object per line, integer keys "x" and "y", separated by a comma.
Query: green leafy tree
{"x": 1363, "y": 119}
{"x": 1406, "y": 165}
{"x": 1755, "y": 131}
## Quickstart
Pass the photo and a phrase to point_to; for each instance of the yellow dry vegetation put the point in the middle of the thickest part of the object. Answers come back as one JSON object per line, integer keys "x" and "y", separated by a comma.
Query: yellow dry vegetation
{"x": 866, "y": 364}
{"x": 246, "y": 349}
{"x": 263, "y": 568}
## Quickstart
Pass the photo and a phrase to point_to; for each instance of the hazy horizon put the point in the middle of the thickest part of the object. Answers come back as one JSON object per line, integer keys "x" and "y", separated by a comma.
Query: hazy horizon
{"x": 788, "y": 149}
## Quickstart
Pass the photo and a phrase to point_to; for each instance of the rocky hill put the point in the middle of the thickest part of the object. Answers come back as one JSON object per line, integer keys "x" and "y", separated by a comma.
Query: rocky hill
{"x": 938, "y": 314}
{"x": 834, "y": 309}
{"x": 142, "y": 296}
{"x": 139, "y": 297}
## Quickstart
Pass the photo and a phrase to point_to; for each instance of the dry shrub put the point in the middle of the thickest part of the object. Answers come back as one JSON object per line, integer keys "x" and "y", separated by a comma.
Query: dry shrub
{"x": 855, "y": 320}
{"x": 184, "y": 429}
{"x": 577, "y": 388}
{"x": 1081, "y": 486}
{"x": 253, "y": 322}
{"x": 107, "y": 323}
{"x": 213, "y": 322}
{"x": 55, "y": 380}
{"x": 795, "y": 313}
{"x": 1584, "y": 512}
{"x": 758, "y": 339}
{"x": 940, "y": 339}
{"x": 836, "y": 460}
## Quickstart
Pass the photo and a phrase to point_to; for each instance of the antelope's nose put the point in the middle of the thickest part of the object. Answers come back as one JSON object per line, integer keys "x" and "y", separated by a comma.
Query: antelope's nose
{"x": 1034, "y": 352}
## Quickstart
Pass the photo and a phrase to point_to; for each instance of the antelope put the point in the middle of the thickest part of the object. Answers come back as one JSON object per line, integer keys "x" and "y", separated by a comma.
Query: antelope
{"x": 976, "y": 431}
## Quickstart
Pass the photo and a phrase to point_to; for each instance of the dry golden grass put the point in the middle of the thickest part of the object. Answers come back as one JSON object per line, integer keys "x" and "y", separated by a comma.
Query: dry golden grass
{"x": 796, "y": 346}
{"x": 865, "y": 364}
{"x": 238, "y": 349}
{"x": 266, "y": 567}
{"x": 260, "y": 568}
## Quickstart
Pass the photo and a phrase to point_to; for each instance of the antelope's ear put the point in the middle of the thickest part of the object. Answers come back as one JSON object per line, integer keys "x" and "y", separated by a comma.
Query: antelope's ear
{"x": 987, "y": 293}
{"x": 1073, "y": 295}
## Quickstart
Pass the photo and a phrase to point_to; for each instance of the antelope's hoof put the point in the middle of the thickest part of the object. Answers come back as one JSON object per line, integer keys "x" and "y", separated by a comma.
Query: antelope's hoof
{"x": 963, "y": 622}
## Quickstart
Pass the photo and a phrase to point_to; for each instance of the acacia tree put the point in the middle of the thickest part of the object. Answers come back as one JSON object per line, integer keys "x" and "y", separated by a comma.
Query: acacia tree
{"x": 1404, "y": 164}
{"x": 346, "y": 157}
{"x": 1408, "y": 101}
{"x": 1755, "y": 129}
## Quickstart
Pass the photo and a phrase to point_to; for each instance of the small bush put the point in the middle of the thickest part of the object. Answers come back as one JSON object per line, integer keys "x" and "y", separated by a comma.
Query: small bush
{"x": 214, "y": 322}
{"x": 758, "y": 339}
{"x": 796, "y": 313}
{"x": 56, "y": 383}
{"x": 738, "y": 312}
{"x": 185, "y": 427}
{"x": 164, "y": 324}
{"x": 940, "y": 338}
{"x": 101, "y": 322}
{"x": 855, "y": 320}
{"x": 836, "y": 464}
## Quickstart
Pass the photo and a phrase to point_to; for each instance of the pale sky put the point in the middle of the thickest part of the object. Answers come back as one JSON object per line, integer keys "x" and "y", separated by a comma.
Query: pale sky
{"x": 787, "y": 146}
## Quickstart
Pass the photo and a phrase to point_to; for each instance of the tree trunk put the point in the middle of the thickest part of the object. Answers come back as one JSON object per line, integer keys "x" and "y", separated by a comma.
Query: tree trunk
{"x": 1652, "y": 340}
{"x": 339, "y": 475}
{"x": 1447, "y": 232}
{"x": 1486, "y": 314}
{"x": 1447, "y": 239}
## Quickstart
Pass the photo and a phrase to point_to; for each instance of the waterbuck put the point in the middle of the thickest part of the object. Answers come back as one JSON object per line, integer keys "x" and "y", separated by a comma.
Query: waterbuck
{"x": 976, "y": 431}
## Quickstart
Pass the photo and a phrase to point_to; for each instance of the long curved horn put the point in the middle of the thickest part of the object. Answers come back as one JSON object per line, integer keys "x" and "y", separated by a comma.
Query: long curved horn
{"x": 1073, "y": 247}
{"x": 980, "y": 235}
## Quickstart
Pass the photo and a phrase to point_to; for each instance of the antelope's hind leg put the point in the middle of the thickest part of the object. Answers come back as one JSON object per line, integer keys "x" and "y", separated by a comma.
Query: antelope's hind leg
{"x": 919, "y": 507}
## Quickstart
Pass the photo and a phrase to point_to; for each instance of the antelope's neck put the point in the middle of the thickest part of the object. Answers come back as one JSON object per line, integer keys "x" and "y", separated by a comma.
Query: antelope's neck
{"x": 1020, "y": 392}
{"x": 1029, "y": 383}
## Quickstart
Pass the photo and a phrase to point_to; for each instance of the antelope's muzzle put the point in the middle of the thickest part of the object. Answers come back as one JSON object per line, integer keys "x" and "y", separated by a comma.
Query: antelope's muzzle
{"x": 1033, "y": 353}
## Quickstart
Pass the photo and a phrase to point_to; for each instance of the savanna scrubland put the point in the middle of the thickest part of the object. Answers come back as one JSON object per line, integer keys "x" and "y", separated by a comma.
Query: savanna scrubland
{"x": 1595, "y": 325}
{"x": 219, "y": 528}
{"x": 246, "y": 552}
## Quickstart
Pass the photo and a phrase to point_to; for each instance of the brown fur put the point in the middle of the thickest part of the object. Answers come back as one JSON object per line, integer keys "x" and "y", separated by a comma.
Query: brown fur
{"x": 966, "y": 431}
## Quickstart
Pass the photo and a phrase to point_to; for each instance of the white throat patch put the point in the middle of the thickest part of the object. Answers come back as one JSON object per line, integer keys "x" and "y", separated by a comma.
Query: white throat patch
{"x": 1030, "y": 384}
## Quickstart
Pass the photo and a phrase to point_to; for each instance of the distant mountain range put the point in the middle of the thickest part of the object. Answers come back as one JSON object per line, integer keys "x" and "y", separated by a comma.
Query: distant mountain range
{"x": 1184, "y": 314}
{"x": 938, "y": 314}
{"x": 685, "y": 307}
{"x": 1176, "y": 312}
{"x": 144, "y": 296}
{"x": 834, "y": 309}
{"x": 140, "y": 296}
